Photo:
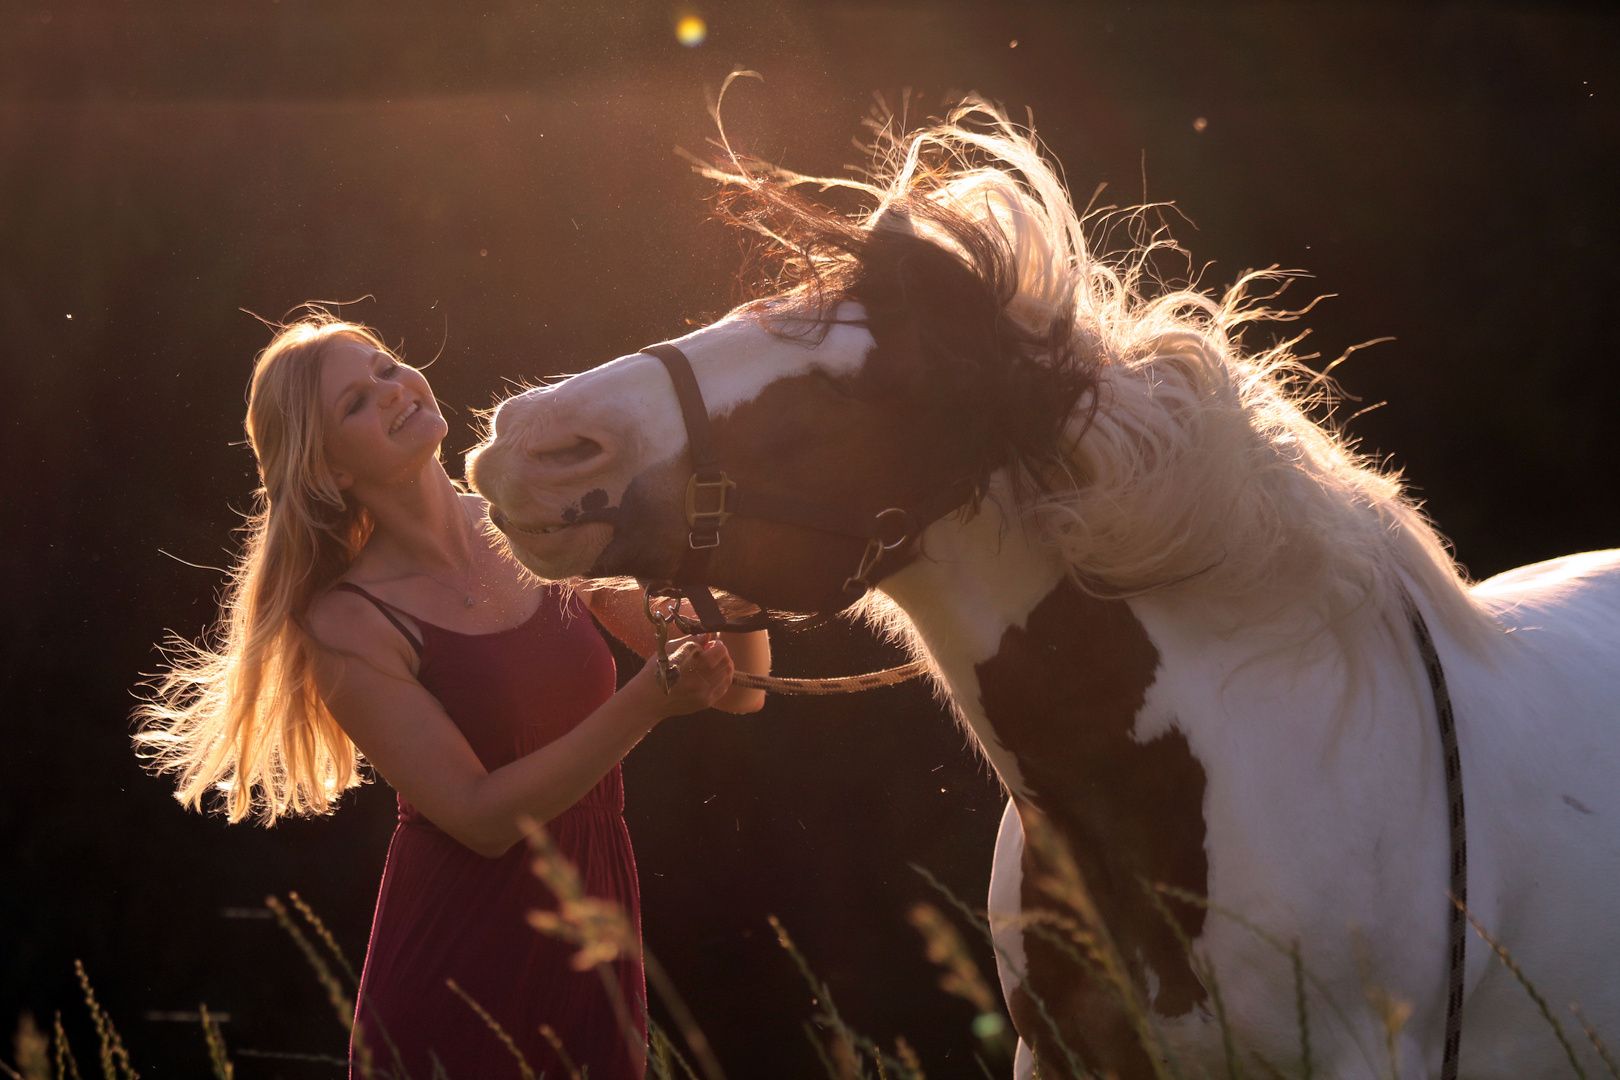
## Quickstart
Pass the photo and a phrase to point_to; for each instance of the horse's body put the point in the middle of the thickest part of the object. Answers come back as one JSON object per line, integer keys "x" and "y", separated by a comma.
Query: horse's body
{"x": 1257, "y": 729}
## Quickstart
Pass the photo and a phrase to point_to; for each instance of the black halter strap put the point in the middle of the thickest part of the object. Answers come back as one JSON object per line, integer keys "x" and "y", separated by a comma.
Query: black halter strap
{"x": 712, "y": 498}
{"x": 1457, "y": 925}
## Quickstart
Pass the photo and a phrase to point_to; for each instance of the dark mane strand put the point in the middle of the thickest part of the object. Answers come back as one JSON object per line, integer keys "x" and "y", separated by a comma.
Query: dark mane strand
{"x": 1015, "y": 389}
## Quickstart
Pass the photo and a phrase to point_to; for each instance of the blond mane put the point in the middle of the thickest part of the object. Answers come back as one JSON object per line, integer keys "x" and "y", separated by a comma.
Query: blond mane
{"x": 1195, "y": 466}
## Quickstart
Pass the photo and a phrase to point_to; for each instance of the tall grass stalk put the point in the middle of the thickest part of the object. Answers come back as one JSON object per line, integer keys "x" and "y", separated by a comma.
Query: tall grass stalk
{"x": 1204, "y": 971}
{"x": 341, "y": 1005}
{"x": 1392, "y": 1012}
{"x": 325, "y": 935}
{"x": 696, "y": 1040}
{"x": 663, "y": 1055}
{"x": 218, "y": 1059}
{"x": 550, "y": 1035}
{"x": 984, "y": 928}
{"x": 603, "y": 933}
{"x": 1529, "y": 987}
{"x": 66, "y": 1066}
{"x": 821, "y": 997}
{"x": 494, "y": 1025}
{"x": 1302, "y": 973}
{"x": 850, "y": 1048}
{"x": 114, "y": 1058}
{"x": 960, "y": 975}
{"x": 1597, "y": 1042}
{"x": 1064, "y": 883}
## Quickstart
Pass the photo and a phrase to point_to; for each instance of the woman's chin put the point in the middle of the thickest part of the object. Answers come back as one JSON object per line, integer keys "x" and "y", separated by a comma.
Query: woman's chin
{"x": 565, "y": 554}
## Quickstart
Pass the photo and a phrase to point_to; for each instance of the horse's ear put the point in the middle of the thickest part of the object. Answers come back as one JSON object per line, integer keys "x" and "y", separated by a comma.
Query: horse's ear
{"x": 894, "y": 218}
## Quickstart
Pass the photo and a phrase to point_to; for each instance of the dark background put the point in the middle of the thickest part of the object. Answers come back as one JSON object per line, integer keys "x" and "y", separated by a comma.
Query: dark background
{"x": 500, "y": 179}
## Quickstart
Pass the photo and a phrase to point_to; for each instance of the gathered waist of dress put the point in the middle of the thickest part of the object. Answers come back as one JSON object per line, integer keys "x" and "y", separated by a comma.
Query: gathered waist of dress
{"x": 595, "y": 801}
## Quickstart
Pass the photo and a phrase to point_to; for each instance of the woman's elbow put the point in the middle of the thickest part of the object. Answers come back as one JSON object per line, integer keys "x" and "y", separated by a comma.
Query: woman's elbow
{"x": 494, "y": 849}
{"x": 742, "y": 702}
{"x": 484, "y": 840}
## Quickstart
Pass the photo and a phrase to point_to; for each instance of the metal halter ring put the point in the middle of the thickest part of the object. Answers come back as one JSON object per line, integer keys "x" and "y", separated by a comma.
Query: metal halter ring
{"x": 907, "y": 525}
{"x": 880, "y": 543}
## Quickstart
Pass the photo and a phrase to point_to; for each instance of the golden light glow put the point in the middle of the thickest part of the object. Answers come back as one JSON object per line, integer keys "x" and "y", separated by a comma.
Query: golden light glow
{"x": 691, "y": 31}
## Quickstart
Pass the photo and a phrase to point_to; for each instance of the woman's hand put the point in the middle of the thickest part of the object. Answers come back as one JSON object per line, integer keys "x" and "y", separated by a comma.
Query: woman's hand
{"x": 705, "y": 669}
{"x": 621, "y": 612}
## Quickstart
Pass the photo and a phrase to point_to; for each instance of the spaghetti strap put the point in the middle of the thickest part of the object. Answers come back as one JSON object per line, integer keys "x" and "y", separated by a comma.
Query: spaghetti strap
{"x": 349, "y": 586}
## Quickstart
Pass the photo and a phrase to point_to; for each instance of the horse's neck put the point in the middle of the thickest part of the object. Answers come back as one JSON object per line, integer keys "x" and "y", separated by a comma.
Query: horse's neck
{"x": 1117, "y": 718}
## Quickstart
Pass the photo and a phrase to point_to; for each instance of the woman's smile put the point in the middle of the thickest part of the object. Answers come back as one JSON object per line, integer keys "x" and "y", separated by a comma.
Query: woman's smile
{"x": 399, "y": 421}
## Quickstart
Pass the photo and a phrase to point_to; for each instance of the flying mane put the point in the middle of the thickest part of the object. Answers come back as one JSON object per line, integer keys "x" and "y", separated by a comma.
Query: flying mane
{"x": 1191, "y": 463}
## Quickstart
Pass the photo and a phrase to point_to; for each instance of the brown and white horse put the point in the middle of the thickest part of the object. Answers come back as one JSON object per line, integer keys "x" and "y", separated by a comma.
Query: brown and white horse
{"x": 1171, "y": 609}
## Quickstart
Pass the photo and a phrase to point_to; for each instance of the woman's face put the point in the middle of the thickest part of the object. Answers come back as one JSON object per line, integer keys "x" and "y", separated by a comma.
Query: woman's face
{"x": 382, "y": 423}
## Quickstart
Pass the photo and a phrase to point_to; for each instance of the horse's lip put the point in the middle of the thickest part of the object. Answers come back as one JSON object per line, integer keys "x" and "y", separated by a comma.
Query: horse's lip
{"x": 507, "y": 525}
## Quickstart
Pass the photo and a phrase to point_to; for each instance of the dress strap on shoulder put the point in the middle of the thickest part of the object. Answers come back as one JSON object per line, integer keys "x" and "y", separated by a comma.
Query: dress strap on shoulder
{"x": 388, "y": 613}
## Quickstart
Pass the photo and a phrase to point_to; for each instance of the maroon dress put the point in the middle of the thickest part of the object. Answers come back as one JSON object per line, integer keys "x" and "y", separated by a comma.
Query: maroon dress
{"x": 446, "y": 912}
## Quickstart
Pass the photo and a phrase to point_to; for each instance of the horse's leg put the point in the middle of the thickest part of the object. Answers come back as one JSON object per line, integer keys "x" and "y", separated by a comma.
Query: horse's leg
{"x": 1024, "y": 1062}
{"x": 1006, "y": 887}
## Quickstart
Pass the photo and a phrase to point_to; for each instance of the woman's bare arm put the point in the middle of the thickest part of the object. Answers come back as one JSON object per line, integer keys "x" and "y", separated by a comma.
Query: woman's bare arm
{"x": 405, "y": 734}
{"x": 620, "y": 611}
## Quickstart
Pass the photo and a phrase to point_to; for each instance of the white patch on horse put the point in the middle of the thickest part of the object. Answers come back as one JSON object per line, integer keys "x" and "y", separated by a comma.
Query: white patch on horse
{"x": 972, "y": 583}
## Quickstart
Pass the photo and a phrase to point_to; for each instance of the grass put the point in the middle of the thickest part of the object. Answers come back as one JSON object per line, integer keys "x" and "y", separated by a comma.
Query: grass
{"x": 601, "y": 934}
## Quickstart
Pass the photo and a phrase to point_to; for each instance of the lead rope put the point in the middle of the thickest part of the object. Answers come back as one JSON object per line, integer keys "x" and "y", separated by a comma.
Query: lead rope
{"x": 668, "y": 673}
{"x": 842, "y": 684}
{"x": 1458, "y": 926}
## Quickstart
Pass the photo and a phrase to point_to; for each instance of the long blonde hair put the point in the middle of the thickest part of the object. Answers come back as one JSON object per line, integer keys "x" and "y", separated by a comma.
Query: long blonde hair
{"x": 238, "y": 712}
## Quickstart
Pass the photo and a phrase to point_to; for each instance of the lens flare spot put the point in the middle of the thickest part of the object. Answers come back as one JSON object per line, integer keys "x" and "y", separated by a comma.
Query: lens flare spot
{"x": 691, "y": 31}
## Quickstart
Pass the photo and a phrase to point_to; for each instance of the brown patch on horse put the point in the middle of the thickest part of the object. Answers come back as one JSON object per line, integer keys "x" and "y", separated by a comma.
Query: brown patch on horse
{"x": 1062, "y": 695}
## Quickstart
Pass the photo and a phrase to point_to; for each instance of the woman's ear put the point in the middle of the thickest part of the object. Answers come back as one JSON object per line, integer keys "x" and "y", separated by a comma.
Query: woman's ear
{"x": 342, "y": 480}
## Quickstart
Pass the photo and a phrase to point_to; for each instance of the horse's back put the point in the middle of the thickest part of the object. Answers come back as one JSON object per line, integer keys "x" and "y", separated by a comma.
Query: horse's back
{"x": 1588, "y": 582}
{"x": 1539, "y": 724}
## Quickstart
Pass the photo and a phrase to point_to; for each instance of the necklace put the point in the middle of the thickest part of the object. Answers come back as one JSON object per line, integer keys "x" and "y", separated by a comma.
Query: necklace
{"x": 467, "y": 595}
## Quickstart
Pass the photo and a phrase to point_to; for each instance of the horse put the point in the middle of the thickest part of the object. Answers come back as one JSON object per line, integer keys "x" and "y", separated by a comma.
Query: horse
{"x": 1171, "y": 603}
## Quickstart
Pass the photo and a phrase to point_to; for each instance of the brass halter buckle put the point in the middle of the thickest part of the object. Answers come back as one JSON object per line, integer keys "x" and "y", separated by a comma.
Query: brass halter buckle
{"x": 705, "y": 521}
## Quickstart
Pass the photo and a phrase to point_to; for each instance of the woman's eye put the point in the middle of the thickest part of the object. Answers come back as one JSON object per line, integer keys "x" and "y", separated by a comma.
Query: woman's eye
{"x": 359, "y": 402}
{"x": 392, "y": 367}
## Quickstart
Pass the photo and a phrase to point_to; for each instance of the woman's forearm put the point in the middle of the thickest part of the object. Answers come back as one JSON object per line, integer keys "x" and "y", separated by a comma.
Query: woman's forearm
{"x": 751, "y": 653}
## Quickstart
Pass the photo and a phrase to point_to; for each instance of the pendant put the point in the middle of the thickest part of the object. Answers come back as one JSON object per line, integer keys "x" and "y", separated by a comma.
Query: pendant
{"x": 469, "y": 600}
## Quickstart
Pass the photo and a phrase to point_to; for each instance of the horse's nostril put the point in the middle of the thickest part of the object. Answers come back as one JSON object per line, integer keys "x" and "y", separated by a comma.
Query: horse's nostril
{"x": 581, "y": 451}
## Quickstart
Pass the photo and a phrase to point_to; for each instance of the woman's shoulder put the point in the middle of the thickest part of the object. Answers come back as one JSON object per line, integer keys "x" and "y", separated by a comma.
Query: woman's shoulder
{"x": 347, "y": 618}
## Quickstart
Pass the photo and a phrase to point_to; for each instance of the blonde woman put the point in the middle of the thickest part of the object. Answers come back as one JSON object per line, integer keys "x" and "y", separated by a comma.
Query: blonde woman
{"x": 371, "y": 614}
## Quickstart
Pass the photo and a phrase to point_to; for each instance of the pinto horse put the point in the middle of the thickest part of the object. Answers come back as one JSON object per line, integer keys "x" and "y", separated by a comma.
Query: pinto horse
{"x": 1174, "y": 611}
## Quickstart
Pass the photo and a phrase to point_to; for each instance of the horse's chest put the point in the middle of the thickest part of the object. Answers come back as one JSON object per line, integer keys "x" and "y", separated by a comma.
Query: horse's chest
{"x": 1062, "y": 696}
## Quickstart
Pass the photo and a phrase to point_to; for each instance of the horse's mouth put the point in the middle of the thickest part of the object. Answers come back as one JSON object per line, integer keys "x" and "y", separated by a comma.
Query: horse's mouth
{"x": 507, "y": 525}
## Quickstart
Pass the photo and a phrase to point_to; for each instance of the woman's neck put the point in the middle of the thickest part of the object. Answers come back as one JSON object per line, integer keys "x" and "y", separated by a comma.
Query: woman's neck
{"x": 421, "y": 525}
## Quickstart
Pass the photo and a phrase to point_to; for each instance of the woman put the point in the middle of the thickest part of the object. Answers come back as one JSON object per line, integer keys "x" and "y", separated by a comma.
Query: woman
{"x": 371, "y": 614}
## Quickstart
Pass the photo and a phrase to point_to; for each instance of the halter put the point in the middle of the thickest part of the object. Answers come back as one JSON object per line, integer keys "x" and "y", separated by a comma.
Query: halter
{"x": 713, "y": 498}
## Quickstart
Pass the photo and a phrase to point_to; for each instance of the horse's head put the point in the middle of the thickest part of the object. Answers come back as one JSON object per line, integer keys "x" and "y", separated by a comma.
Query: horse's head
{"x": 897, "y": 379}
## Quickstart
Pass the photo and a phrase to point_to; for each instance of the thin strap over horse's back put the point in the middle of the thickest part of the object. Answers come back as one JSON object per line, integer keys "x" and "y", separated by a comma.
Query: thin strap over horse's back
{"x": 388, "y": 613}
